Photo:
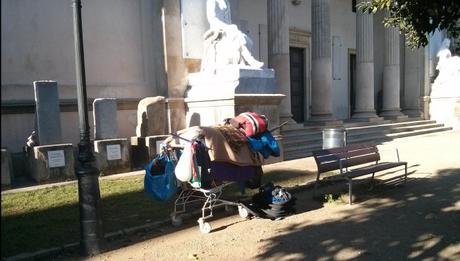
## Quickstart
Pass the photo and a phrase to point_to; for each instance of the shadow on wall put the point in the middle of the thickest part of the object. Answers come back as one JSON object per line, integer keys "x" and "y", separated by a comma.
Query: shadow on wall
{"x": 418, "y": 222}
{"x": 195, "y": 120}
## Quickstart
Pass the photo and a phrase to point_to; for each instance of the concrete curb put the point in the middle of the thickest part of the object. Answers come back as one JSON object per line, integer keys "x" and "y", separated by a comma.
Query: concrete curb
{"x": 52, "y": 185}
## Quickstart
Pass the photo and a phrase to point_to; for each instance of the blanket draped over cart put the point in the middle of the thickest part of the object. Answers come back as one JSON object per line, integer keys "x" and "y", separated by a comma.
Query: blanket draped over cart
{"x": 211, "y": 157}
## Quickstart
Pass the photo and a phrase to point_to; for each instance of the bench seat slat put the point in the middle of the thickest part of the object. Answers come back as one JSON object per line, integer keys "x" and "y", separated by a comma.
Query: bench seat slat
{"x": 373, "y": 168}
{"x": 340, "y": 150}
{"x": 355, "y": 155}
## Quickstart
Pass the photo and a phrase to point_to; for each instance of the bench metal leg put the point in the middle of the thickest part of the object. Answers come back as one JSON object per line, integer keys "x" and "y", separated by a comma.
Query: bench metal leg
{"x": 316, "y": 186}
{"x": 405, "y": 173}
{"x": 350, "y": 195}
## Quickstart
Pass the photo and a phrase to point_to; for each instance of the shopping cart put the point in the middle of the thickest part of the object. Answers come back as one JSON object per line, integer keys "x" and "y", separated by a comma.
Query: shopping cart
{"x": 209, "y": 198}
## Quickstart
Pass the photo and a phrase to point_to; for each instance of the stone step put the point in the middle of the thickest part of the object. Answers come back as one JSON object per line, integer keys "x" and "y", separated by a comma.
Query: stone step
{"x": 390, "y": 125}
{"x": 392, "y": 129}
{"x": 308, "y": 137}
{"x": 392, "y": 136}
{"x": 300, "y": 137}
{"x": 301, "y": 145}
{"x": 354, "y": 126}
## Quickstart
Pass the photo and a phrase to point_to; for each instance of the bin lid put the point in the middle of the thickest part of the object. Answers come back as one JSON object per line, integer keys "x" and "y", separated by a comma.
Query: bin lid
{"x": 334, "y": 129}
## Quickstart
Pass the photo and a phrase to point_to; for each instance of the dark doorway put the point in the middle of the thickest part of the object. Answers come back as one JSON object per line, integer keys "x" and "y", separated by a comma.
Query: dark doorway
{"x": 352, "y": 70}
{"x": 297, "y": 61}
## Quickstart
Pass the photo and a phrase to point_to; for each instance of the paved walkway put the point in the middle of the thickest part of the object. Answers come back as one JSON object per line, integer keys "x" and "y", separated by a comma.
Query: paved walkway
{"x": 418, "y": 221}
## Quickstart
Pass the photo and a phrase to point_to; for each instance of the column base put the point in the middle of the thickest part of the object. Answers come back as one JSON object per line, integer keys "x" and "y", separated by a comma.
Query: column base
{"x": 287, "y": 117}
{"x": 394, "y": 114}
{"x": 318, "y": 117}
{"x": 369, "y": 116}
{"x": 326, "y": 119}
{"x": 413, "y": 113}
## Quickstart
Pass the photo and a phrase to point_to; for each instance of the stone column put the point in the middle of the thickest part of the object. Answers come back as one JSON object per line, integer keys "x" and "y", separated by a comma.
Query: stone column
{"x": 364, "y": 99}
{"x": 321, "y": 76}
{"x": 278, "y": 51}
{"x": 391, "y": 75}
{"x": 413, "y": 81}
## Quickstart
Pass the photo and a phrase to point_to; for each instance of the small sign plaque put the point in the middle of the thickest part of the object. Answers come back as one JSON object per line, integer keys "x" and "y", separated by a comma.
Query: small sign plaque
{"x": 56, "y": 159}
{"x": 113, "y": 152}
{"x": 158, "y": 145}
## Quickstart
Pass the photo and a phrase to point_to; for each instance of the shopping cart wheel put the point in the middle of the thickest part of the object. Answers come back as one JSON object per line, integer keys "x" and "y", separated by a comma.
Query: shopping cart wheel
{"x": 205, "y": 227}
{"x": 176, "y": 220}
{"x": 243, "y": 212}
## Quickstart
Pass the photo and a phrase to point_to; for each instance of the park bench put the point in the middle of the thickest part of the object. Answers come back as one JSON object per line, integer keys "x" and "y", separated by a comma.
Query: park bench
{"x": 353, "y": 161}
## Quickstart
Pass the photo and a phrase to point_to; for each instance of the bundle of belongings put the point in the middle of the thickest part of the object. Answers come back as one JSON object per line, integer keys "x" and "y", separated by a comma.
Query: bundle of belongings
{"x": 272, "y": 202}
{"x": 234, "y": 151}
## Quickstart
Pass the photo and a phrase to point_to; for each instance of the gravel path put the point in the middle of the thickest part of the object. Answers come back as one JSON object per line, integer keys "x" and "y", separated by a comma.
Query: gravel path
{"x": 417, "y": 221}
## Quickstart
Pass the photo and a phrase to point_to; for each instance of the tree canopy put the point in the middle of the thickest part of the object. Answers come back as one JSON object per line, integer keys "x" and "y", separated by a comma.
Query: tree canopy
{"x": 416, "y": 19}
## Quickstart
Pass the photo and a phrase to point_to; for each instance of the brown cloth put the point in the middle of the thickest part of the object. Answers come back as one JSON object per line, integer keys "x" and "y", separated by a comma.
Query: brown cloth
{"x": 220, "y": 149}
{"x": 235, "y": 138}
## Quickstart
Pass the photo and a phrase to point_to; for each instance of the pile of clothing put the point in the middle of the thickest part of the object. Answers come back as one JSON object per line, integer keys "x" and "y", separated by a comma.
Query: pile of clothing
{"x": 255, "y": 127}
{"x": 234, "y": 151}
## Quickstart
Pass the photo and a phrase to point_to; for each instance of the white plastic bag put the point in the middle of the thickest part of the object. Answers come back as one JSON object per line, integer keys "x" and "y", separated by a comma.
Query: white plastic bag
{"x": 184, "y": 165}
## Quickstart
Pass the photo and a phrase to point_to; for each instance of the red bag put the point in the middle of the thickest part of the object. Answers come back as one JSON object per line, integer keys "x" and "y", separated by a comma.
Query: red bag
{"x": 252, "y": 123}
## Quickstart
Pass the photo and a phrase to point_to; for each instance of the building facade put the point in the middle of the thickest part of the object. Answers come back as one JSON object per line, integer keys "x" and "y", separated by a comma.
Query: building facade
{"x": 332, "y": 63}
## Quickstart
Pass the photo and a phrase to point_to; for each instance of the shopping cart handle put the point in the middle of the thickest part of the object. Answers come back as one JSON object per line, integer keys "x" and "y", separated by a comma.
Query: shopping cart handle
{"x": 279, "y": 126}
{"x": 187, "y": 140}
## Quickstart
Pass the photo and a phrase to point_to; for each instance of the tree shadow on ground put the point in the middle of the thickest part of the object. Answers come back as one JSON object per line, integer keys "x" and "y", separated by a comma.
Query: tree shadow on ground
{"x": 30, "y": 232}
{"x": 419, "y": 221}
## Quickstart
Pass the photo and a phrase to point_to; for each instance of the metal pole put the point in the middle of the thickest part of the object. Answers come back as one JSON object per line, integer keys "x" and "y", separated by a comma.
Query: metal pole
{"x": 91, "y": 233}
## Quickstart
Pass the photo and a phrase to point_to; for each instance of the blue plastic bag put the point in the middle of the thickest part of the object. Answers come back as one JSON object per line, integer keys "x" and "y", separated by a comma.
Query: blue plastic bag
{"x": 160, "y": 183}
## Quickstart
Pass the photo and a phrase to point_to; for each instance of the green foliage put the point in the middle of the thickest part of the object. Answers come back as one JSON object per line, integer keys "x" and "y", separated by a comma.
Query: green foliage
{"x": 416, "y": 19}
{"x": 336, "y": 199}
{"x": 329, "y": 198}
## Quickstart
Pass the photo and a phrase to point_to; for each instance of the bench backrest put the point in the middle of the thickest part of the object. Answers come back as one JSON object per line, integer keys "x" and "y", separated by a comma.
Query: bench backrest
{"x": 351, "y": 155}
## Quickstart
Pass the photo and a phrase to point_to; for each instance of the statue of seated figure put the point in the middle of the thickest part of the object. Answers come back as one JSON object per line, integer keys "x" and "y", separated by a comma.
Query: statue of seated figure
{"x": 446, "y": 83}
{"x": 225, "y": 44}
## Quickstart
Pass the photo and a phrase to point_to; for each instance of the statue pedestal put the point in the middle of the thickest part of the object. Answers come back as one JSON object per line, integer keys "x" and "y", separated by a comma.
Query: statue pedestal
{"x": 211, "y": 98}
{"x": 445, "y": 101}
{"x": 446, "y": 110}
{"x": 230, "y": 80}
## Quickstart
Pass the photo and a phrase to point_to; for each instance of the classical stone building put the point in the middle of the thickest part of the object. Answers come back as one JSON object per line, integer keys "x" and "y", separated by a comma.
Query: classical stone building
{"x": 332, "y": 63}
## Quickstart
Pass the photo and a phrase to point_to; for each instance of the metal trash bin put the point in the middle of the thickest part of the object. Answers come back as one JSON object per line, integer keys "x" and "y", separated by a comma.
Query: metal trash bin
{"x": 333, "y": 138}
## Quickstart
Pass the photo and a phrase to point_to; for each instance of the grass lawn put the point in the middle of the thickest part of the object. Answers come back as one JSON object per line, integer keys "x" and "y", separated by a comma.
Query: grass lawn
{"x": 45, "y": 218}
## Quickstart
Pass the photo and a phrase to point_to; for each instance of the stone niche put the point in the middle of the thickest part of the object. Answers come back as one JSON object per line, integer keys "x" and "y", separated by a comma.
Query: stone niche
{"x": 152, "y": 121}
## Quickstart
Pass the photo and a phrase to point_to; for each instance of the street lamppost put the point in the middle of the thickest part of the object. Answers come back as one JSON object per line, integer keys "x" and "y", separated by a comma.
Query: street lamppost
{"x": 91, "y": 233}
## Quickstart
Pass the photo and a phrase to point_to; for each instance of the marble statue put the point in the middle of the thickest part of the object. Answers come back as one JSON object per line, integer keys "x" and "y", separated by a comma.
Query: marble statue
{"x": 225, "y": 44}
{"x": 449, "y": 71}
{"x": 445, "y": 91}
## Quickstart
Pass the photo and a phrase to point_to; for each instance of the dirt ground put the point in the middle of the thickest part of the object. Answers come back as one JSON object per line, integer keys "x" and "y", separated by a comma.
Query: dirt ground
{"x": 416, "y": 221}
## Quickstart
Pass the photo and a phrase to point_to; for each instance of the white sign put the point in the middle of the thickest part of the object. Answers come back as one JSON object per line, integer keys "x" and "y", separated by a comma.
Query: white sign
{"x": 56, "y": 159}
{"x": 113, "y": 152}
{"x": 158, "y": 145}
